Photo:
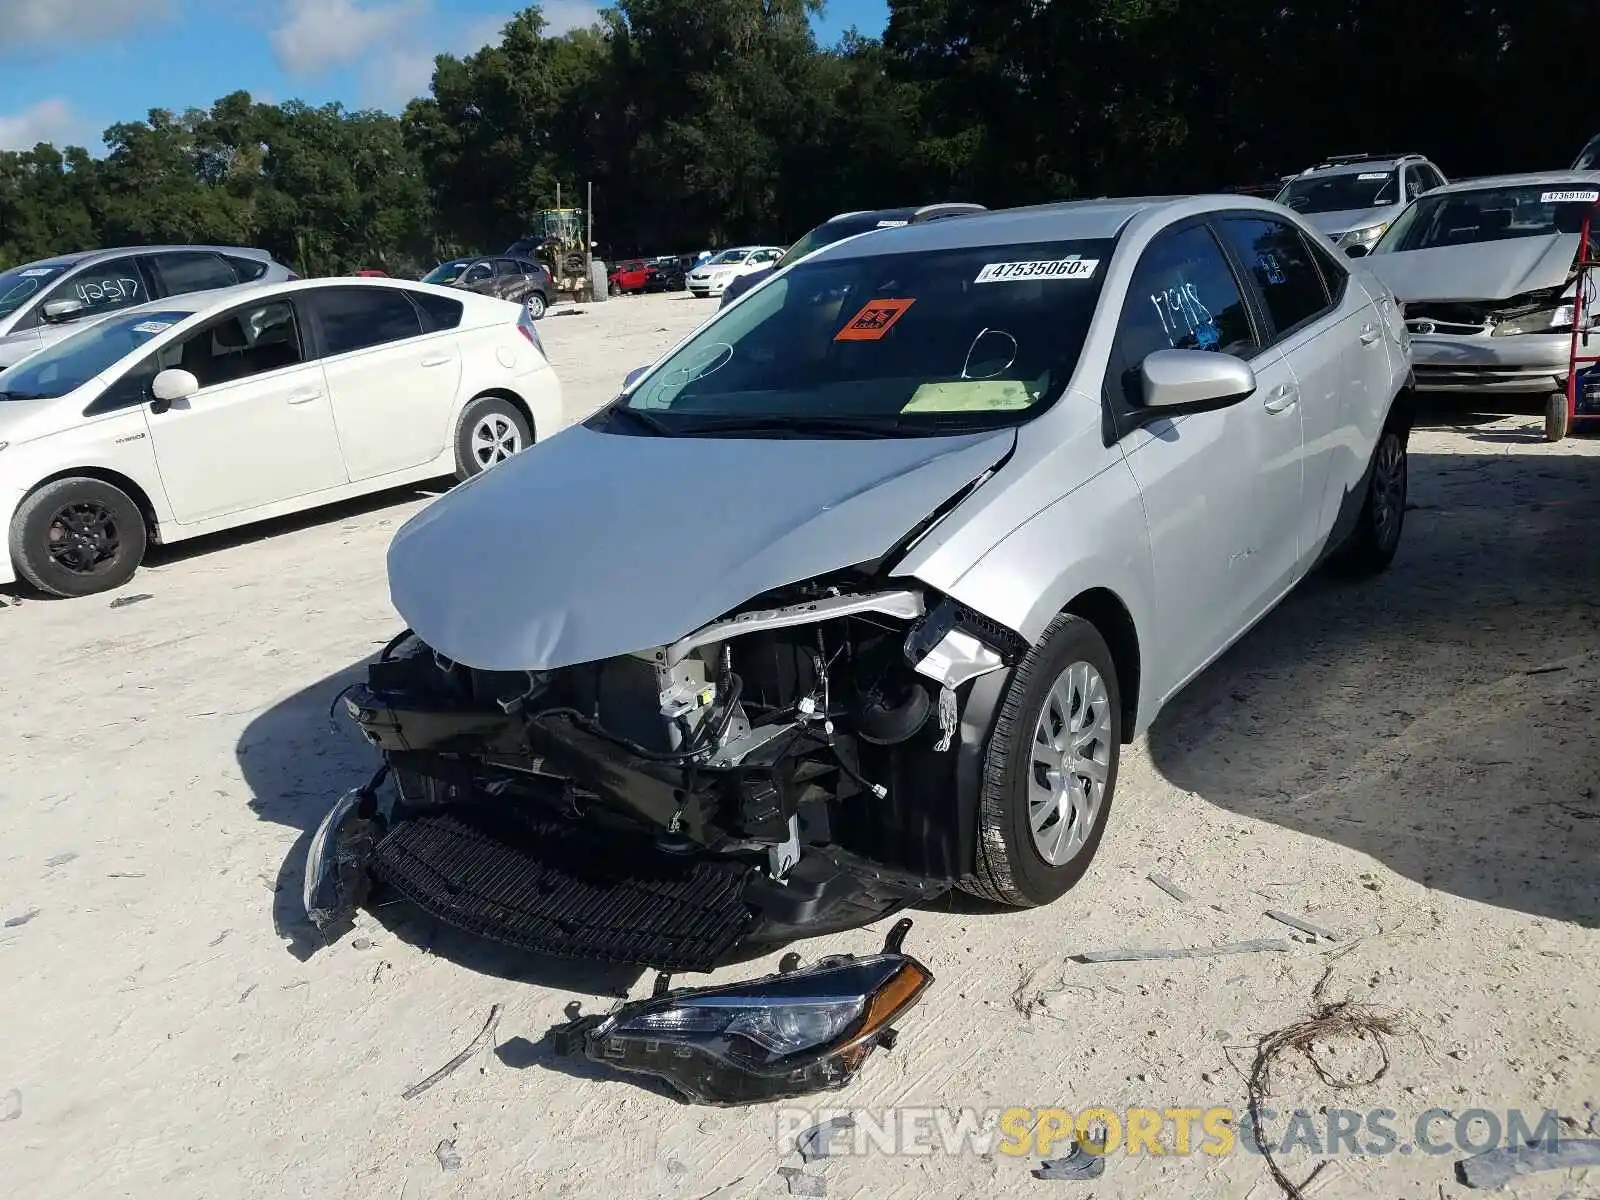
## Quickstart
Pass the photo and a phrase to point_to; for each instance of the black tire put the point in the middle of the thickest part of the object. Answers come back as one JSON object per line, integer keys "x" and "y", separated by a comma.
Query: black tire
{"x": 76, "y": 537}
{"x": 1374, "y": 541}
{"x": 488, "y": 414}
{"x": 536, "y": 305}
{"x": 1010, "y": 867}
{"x": 613, "y": 289}
{"x": 1557, "y": 420}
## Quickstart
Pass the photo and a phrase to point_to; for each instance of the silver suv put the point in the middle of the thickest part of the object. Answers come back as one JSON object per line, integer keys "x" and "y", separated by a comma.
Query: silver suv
{"x": 42, "y": 302}
{"x": 1353, "y": 197}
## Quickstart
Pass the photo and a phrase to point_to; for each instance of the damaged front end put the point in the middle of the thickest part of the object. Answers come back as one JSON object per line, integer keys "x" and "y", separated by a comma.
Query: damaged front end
{"x": 803, "y": 765}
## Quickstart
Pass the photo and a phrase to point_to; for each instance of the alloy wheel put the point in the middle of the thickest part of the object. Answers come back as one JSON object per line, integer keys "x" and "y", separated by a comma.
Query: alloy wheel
{"x": 494, "y": 439}
{"x": 1069, "y": 764}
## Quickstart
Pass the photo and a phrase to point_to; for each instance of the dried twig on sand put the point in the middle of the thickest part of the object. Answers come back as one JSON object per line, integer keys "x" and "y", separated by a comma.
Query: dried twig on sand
{"x": 1342, "y": 1018}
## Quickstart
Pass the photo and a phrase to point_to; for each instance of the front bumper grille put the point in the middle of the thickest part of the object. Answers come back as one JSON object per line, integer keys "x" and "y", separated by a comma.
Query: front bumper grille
{"x": 544, "y": 887}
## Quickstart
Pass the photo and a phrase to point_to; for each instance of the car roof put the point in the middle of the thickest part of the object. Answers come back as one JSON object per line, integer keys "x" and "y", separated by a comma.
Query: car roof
{"x": 1528, "y": 179}
{"x": 79, "y": 257}
{"x": 217, "y": 299}
{"x": 1352, "y": 164}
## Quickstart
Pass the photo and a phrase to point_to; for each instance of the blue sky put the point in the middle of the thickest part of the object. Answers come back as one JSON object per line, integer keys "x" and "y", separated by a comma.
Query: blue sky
{"x": 69, "y": 68}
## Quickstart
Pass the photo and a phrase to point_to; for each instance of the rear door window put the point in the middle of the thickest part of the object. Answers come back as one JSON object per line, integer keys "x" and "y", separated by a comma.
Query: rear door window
{"x": 192, "y": 271}
{"x": 355, "y": 318}
{"x": 1279, "y": 261}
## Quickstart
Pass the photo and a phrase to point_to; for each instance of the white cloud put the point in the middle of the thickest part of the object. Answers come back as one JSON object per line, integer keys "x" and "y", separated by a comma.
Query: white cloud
{"x": 27, "y": 24}
{"x": 53, "y": 121}
{"x": 405, "y": 70}
{"x": 562, "y": 16}
{"x": 320, "y": 34}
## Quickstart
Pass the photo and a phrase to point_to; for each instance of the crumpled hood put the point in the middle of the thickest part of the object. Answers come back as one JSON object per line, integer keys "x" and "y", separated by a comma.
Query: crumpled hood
{"x": 1335, "y": 223}
{"x": 590, "y": 545}
{"x": 1478, "y": 270}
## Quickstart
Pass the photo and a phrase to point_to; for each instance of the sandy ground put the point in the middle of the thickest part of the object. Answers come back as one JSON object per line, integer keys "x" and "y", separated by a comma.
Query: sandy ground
{"x": 1410, "y": 763}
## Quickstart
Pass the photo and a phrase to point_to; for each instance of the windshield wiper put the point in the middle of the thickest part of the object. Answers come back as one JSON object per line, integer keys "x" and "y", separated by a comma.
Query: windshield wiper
{"x": 640, "y": 420}
{"x": 798, "y": 425}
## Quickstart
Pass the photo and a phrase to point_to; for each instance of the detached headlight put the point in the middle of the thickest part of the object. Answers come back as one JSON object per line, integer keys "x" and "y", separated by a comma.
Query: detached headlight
{"x": 1363, "y": 237}
{"x": 1544, "y": 320}
{"x": 786, "y": 1035}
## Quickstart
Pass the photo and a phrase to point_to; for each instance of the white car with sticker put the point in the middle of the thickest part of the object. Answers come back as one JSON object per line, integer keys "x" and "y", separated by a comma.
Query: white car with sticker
{"x": 713, "y": 277}
{"x": 202, "y": 412}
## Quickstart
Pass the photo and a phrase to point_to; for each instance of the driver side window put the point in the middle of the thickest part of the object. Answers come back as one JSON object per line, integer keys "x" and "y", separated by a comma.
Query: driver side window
{"x": 248, "y": 342}
{"x": 102, "y": 288}
{"x": 1183, "y": 297}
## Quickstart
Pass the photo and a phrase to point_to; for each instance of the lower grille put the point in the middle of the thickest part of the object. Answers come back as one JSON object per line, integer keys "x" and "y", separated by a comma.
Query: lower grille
{"x": 547, "y": 890}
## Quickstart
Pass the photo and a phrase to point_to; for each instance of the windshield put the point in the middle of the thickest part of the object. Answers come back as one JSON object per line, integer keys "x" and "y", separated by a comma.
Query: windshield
{"x": 22, "y": 284}
{"x": 1489, "y": 215}
{"x": 72, "y": 362}
{"x": 446, "y": 272}
{"x": 728, "y": 256}
{"x": 929, "y": 342}
{"x": 830, "y": 232}
{"x": 1342, "y": 192}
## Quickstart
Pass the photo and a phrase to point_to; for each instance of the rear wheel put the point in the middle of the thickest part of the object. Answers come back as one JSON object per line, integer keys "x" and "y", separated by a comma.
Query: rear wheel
{"x": 535, "y": 304}
{"x": 1372, "y": 544}
{"x": 1557, "y": 420}
{"x": 76, "y": 537}
{"x": 491, "y": 430}
{"x": 1051, "y": 769}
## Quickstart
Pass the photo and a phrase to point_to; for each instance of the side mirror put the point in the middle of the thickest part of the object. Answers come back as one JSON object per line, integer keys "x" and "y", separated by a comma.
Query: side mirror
{"x": 58, "y": 312}
{"x": 171, "y": 386}
{"x": 1358, "y": 250}
{"x": 1173, "y": 382}
{"x": 632, "y": 377}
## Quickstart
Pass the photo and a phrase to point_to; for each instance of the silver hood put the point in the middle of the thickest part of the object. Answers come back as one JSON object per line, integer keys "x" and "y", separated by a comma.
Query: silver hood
{"x": 590, "y": 545}
{"x": 1335, "y": 223}
{"x": 1479, "y": 270}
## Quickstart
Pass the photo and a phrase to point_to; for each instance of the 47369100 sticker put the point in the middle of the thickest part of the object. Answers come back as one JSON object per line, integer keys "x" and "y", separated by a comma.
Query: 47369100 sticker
{"x": 1052, "y": 268}
{"x": 874, "y": 320}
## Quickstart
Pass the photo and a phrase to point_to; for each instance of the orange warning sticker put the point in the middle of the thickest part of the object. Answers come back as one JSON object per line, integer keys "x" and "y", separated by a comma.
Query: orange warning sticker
{"x": 874, "y": 320}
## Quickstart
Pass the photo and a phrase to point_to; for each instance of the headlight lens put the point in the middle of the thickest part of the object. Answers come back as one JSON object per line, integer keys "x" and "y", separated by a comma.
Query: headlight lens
{"x": 1364, "y": 237}
{"x": 1544, "y": 320}
{"x": 786, "y": 1035}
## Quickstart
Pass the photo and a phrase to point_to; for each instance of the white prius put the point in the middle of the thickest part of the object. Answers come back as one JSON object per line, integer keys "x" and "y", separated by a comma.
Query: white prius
{"x": 202, "y": 412}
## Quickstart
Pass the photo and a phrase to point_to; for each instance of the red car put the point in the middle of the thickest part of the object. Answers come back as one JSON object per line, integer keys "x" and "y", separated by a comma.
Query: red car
{"x": 630, "y": 276}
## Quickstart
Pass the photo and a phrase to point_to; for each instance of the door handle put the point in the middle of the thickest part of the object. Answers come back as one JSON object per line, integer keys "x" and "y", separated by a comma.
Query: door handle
{"x": 304, "y": 397}
{"x": 1281, "y": 397}
{"x": 437, "y": 361}
{"x": 1370, "y": 334}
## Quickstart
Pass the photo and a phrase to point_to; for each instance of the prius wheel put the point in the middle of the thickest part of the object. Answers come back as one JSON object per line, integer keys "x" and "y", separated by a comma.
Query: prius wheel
{"x": 1372, "y": 544}
{"x": 75, "y": 537}
{"x": 1051, "y": 769}
{"x": 491, "y": 431}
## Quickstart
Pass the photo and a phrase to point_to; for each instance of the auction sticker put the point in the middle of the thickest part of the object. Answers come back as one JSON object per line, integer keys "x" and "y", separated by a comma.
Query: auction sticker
{"x": 152, "y": 326}
{"x": 1054, "y": 268}
{"x": 892, "y": 224}
{"x": 37, "y": 272}
{"x": 1570, "y": 198}
{"x": 874, "y": 320}
{"x": 1373, "y": 175}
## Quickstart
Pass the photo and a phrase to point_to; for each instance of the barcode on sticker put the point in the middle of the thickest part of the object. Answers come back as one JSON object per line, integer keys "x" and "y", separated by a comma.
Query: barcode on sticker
{"x": 152, "y": 326}
{"x": 1570, "y": 198}
{"x": 1373, "y": 175}
{"x": 36, "y": 272}
{"x": 1054, "y": 268}
{"x": 892, "y": 224}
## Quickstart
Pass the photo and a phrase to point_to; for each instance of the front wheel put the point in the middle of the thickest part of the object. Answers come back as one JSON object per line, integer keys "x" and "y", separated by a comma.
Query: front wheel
{"x": 1051, "y": 769}
{"x": 76, "y": 537}
{"x": 491, "y": 430}
{"x": 1372, "y": 544}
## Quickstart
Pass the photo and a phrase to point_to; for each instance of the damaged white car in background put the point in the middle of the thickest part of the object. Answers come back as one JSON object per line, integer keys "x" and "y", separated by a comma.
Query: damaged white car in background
{"x": 1487, "y": 273}
{"x": 854, "y": 597}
